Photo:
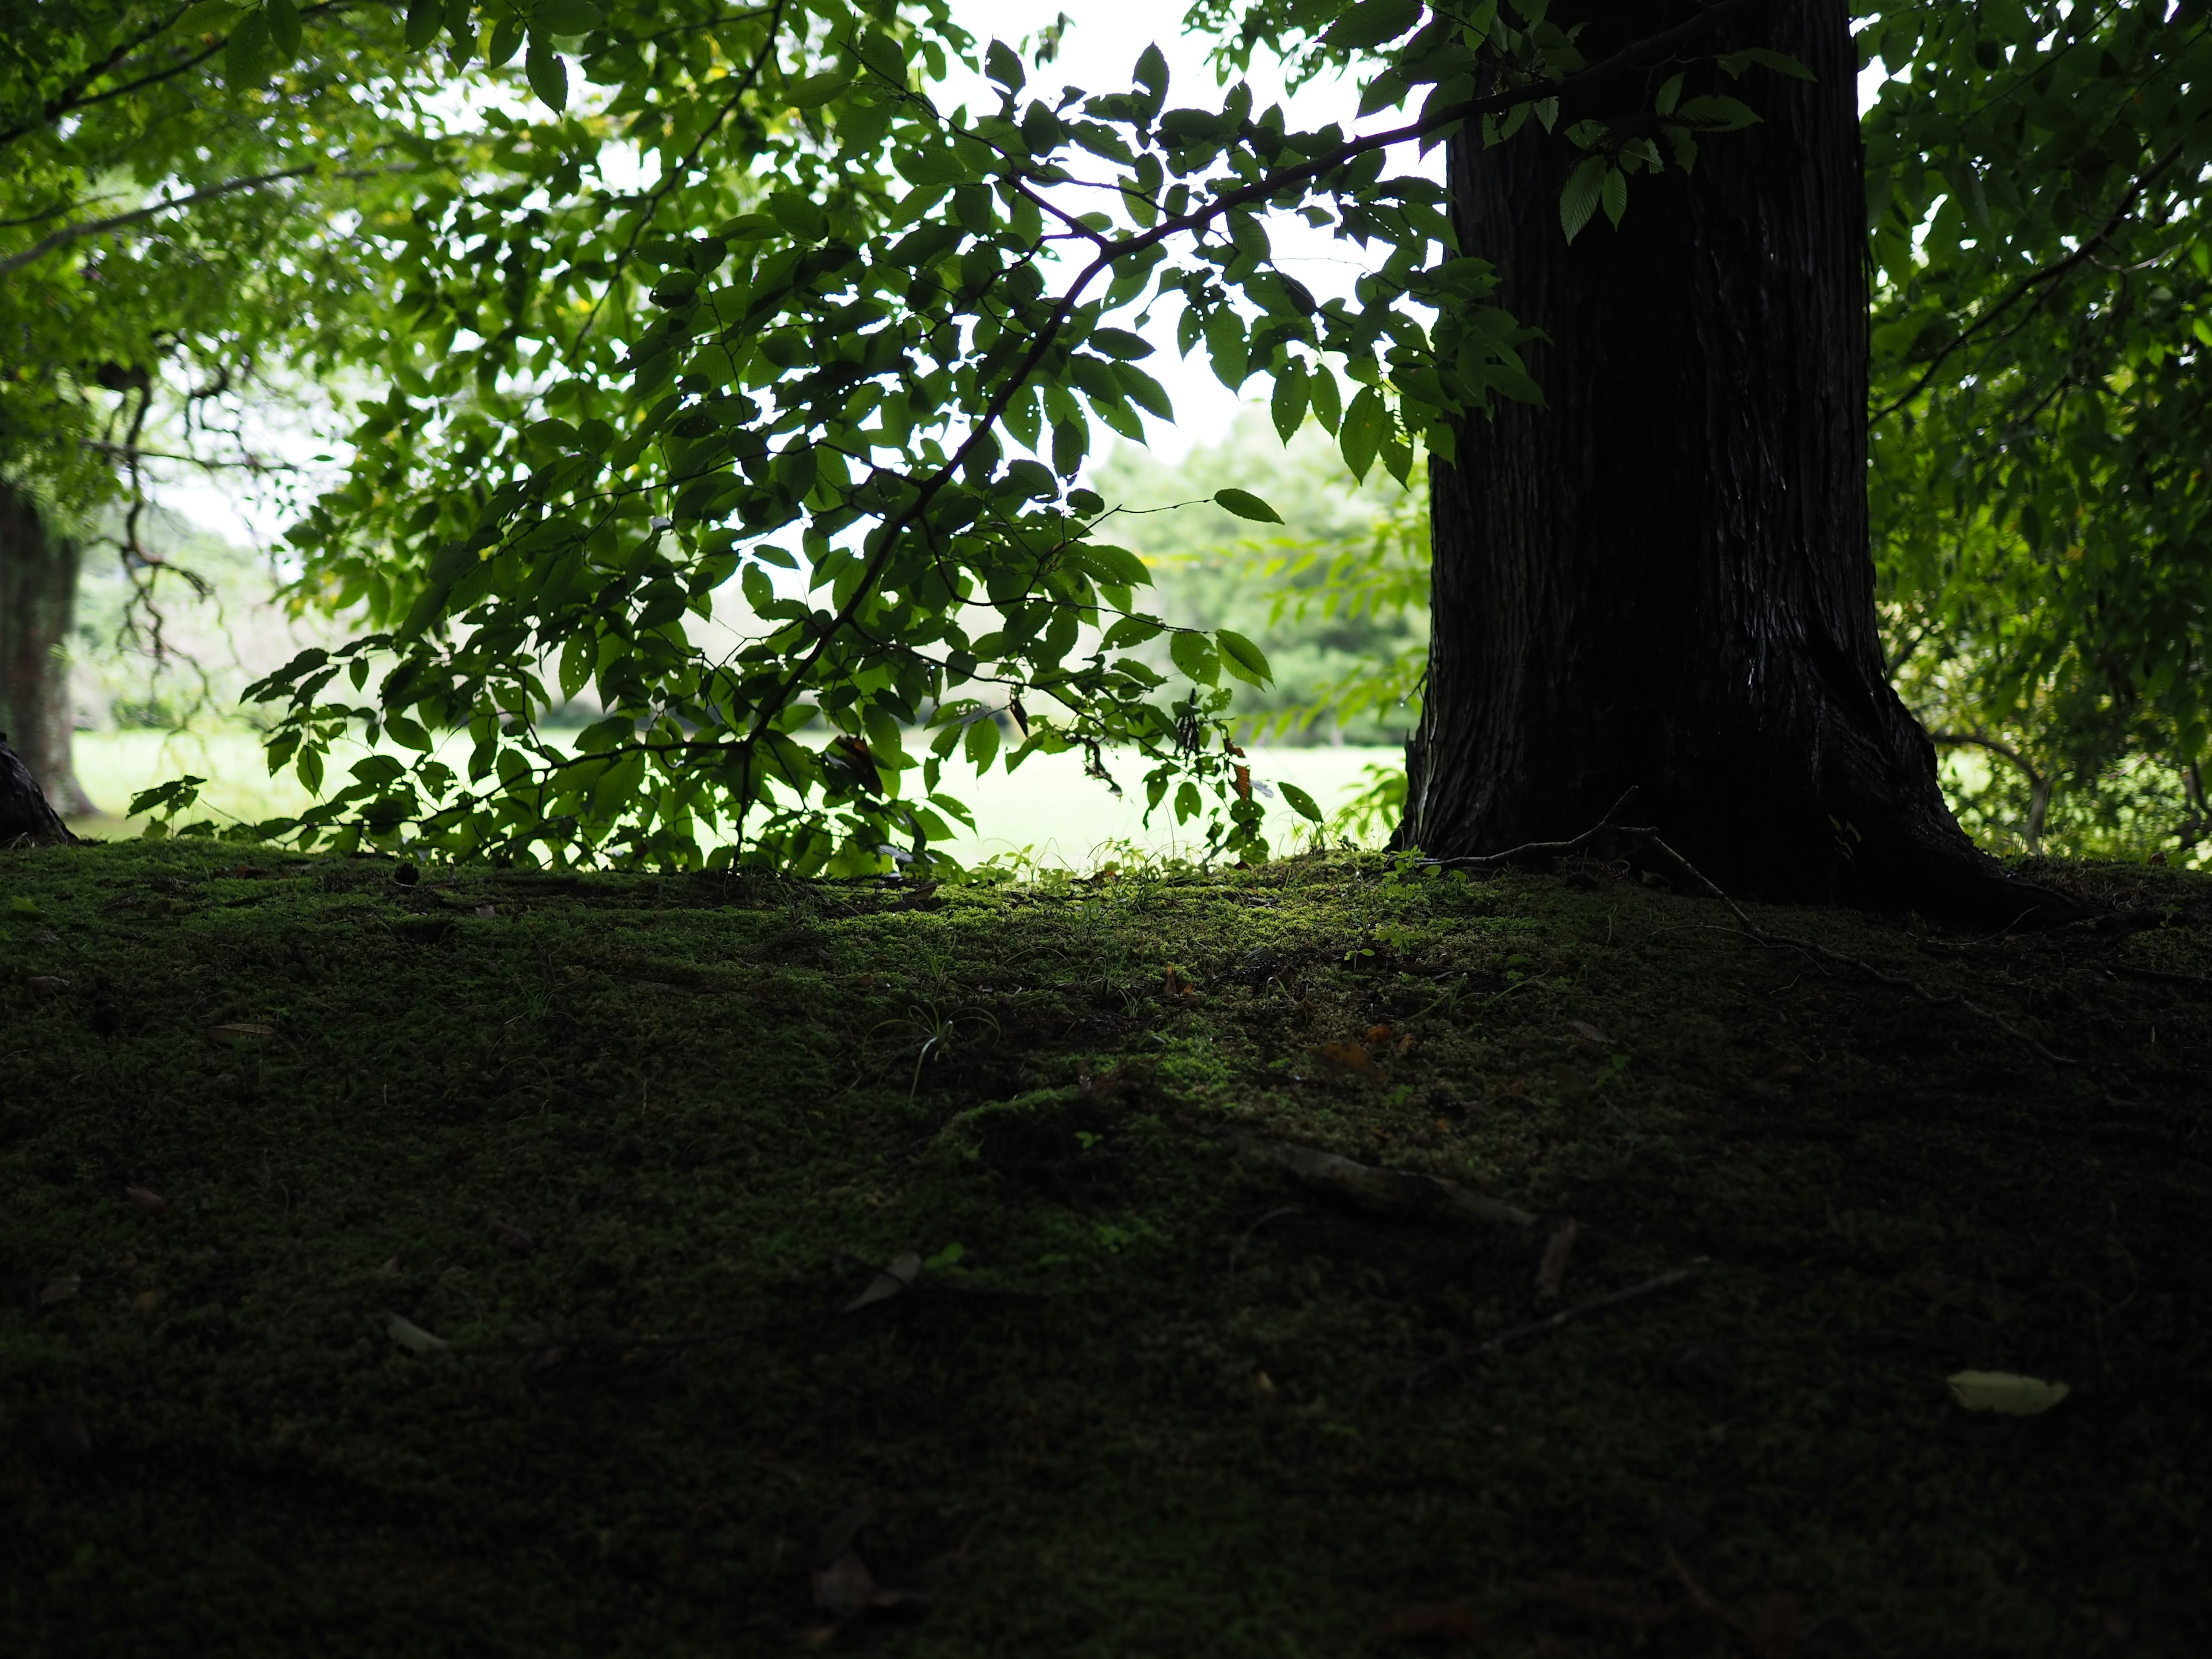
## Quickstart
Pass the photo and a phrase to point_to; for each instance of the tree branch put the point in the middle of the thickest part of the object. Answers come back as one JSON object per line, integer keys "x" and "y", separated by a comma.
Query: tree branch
{"x": 69, "y": 234}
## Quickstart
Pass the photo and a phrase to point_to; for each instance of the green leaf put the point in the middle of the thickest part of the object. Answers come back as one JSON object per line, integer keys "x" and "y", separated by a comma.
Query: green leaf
{"x": 982, "y": 744}
{"x": 1003, "y": 64}
{"x": 1613, "y": 194}
{"x": 1286, "y": 406}
{"x": 1243, "y": 657}
{"x": 1579, "y": 201}
{"x": 1192, "y": 654}
{"x": 1367, "y": 24}
{"x": 1246, "y": 505}
{"x": 505, "y": 39}
{"x": 1119, "y": 343}
{"x": 1736, "y": 63}
{"x": 1669, "y": 95}
{"x": 1152, "y": 74}
{"x": 424, "y": 18}
{"x": 1715, "y": 114}
{"x": 1225, "y": 346}
{"x": 816, "y": 90}
{"x": 283, "y": 27}
{"x": 1299, "y": 800}
{"x": 1326, "y": 401}
{"x": 566, "y": 17}
{"x": 548, "y": 74}
{"x": 246, "y": 54}
{"x": 1366, "y": 424}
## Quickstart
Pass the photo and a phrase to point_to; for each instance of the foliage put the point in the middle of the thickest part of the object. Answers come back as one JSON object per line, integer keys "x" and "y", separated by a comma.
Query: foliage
{"x": 177, "y": 188}
{"x": 2043, "y": 516}
{"x": 844, "y": 350}
{"x": 1337, "y": 595}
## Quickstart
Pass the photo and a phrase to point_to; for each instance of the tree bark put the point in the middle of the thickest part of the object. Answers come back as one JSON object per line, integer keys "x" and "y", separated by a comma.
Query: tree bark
{"x": 38, "y": 607}
{"x": 1662, "y": 580}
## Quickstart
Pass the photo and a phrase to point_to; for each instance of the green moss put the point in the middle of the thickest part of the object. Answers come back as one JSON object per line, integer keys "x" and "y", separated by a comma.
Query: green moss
{"x": 1155, "y": 1402}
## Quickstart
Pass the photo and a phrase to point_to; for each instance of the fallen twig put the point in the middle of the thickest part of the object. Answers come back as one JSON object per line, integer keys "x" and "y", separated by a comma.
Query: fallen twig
{"x": 1391, "y": 1192}
{"x": 1550, "y": 1322}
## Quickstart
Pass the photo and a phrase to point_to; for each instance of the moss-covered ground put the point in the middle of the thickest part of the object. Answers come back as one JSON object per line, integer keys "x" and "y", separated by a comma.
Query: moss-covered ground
{"x": 629, "y": 1149}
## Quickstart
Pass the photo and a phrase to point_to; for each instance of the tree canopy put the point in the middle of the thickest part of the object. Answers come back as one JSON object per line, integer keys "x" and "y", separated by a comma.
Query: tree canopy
{"x": 676, "y": 300}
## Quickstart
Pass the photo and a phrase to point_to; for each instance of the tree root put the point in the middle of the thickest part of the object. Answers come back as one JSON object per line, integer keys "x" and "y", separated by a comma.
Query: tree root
{"x": 1649, "y": 836}
{"x": 1812, "y": 947}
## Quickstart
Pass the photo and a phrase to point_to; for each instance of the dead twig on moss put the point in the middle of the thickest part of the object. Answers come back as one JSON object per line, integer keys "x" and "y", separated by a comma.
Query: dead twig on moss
{"x": 1550, "y": 1322}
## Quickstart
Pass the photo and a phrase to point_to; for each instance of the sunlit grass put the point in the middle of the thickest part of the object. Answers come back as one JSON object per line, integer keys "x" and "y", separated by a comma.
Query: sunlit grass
{"x": 1048, "y": 809}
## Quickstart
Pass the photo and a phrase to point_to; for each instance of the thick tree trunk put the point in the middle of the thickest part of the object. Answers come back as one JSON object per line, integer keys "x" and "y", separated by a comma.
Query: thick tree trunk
{"x": 37, "y": 606}
{"x": 1662, "y": 580}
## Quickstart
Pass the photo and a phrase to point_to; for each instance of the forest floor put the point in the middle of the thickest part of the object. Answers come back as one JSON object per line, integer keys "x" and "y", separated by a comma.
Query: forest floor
{"x": 508, "y": 1264}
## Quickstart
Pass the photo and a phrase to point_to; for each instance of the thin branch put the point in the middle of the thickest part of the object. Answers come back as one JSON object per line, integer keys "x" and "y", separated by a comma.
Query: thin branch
{"x": 2040, "y": 279}
{"x": 68, "y": 234}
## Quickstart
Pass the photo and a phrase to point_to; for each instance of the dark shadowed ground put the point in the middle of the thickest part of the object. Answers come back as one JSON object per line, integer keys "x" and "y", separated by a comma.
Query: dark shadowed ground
{"x": 468, "y": 1268}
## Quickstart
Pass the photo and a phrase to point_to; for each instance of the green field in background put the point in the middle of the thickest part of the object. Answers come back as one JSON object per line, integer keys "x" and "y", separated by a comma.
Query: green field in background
{"x": 1047, "y": 807}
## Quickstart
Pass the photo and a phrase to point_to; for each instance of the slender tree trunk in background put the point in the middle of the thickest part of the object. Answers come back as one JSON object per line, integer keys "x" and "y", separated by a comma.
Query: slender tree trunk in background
{"x": 37, "y": 606}
{"x": 1662, "y": 580}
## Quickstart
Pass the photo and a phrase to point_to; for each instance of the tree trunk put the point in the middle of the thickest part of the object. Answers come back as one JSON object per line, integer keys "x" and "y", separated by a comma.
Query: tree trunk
{"x": 1662, "y": 580}
{"x": 37, "y": 606}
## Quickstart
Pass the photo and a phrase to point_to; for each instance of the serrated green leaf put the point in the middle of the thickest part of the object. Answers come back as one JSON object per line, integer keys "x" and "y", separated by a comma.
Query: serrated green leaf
{"x": 1192, "y": 654}
{"x": 547, "y": 72}
{"x": 1286, "y": 405}
{"x": 1119, "y": 343}
{"x": 504, "y": 40}
{"x": 1152, "y": 74}
{"x": 246, "y": 54}
{"x": 424, "y": 19}
{"x": 1225, "y": 348}
{"x": 1713, "y": 113}
{"x": 1612, "y": 195}
{"x": 1326, "y": 400}
{"x": 1367, "y": 25}
{"x": 1003, "y": 64}
{"x": 982, "y": 744}
{"x": 816, "y": 90}
{"x": 1736, "y": 63}
{"x": 1364, "y": 426}
{"x": 283, "y": 27}
{"x": 1243, "y": 657}
{"x": 1245, "y": 505}
{"x": 1579, "y": 199}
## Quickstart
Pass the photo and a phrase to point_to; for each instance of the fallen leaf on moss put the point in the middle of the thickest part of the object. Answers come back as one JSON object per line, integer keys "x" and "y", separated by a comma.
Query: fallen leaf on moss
{"x": 896, "y": 1279}
{"x": 47, "y": 985}
{"x": 60, "y": 1288}
{"x": 145, "y": 1200}
{"x": 145, "y": 1302}
{"x": 1347, "y": 1057}
{"x": 410, "y": 1335}
{"x": 241, "y": 1034}
{"x": 2006, "y": 1394}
